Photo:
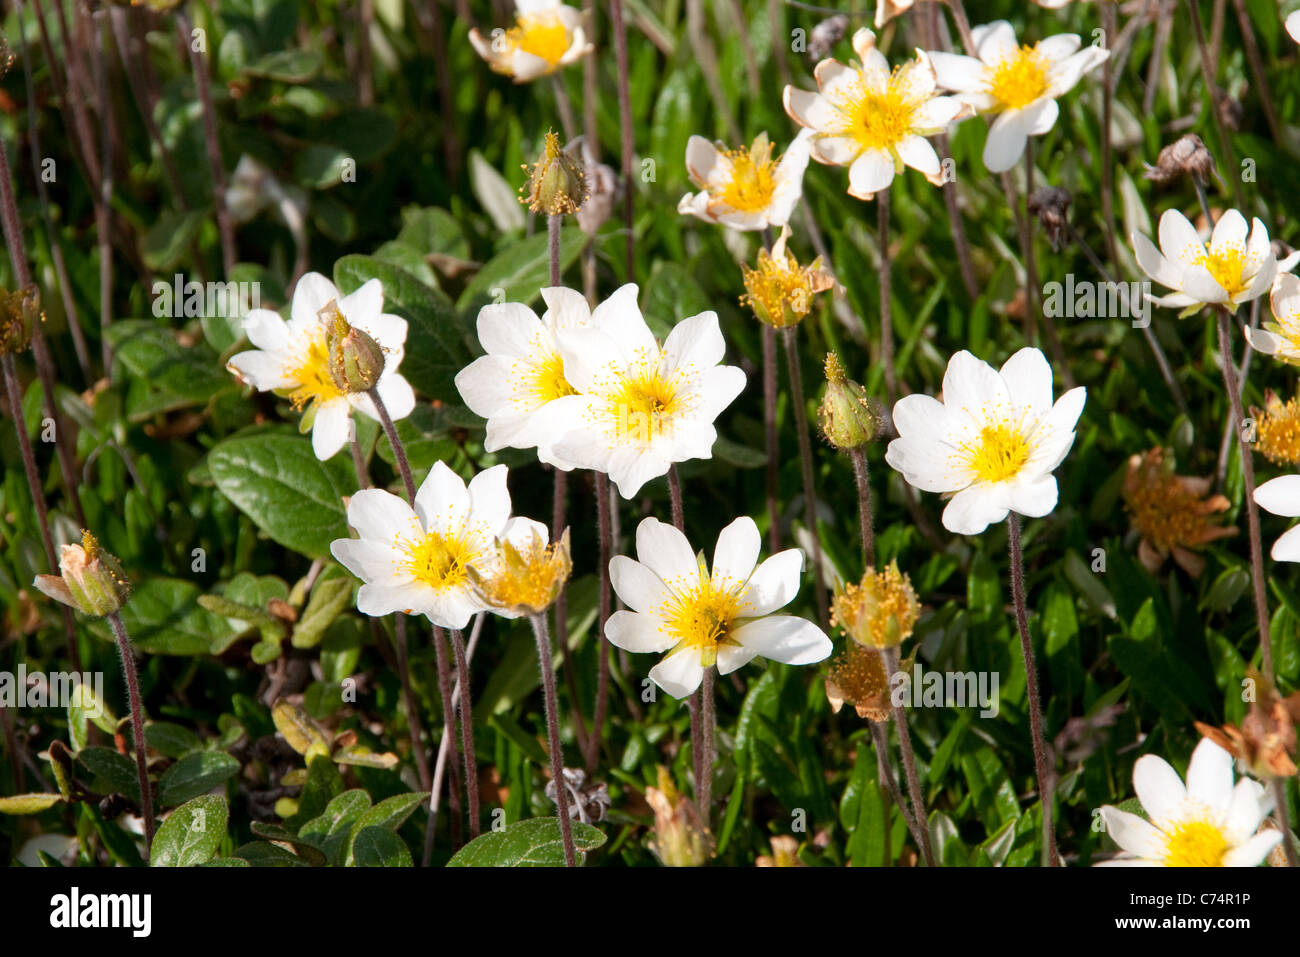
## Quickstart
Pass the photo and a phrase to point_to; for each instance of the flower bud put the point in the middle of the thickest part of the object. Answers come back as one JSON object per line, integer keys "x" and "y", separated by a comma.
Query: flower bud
{"x": 557, "y": 184}
{"x": 19, "y": 313}
{"x": 89, "y": 580}
{"x": 356, "y": 361}
{"x": 528, "y": 573}
{"x": 780, "y": 291}
{"x": 681, "y": 839}
{"x": 847, "y": 416}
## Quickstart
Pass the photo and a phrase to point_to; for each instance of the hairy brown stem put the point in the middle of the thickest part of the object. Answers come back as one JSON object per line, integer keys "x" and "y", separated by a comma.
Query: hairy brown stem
{"x": 885, "y": 772}
{"x": 449, "y": 733}
{"x": 675, "y": 498}
{"x": 708, "y": 721}
{"x": 769, "y": 429}
{"x": 605, "y": 549}
{"x": 137, "y": 725}
{"x": 412, "y": 707}
{"x": 553, "y": 736}
{"x": 619, "y": 29}
{"x": 921, "y": 819}
{"x": 1041, "y": 769}
{"x": 467, "y": 730}
{"x": 399, "y": 450}
{"x": 859, "y": 458}
{"x": 805, "y": 460}
{"x": 886, "y": 310}
{"x": 1216, "y": 100}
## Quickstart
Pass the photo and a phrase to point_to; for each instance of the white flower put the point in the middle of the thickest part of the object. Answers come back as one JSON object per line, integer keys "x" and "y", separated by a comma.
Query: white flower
{"x": 547, "y": 35}
{"x": 417, "y": 560}
{"x": 642, "y": 406}
{"x": 1293, "y": 26}
{"x": 744, "y": 188}
{"x": 1018, "y": 83}
{"x": 293, "y": 358}
{"x": 1207, "y": 823}
{"x": 1281, "y": 336}
{"x": 1233, "y": 269}
{"x": 1281, "y": 496}
{"x": 516, "y": 384}
{"x": 702, "y": 618}
{"x": 873, "y": 121}
{"x": 994, "y": 440}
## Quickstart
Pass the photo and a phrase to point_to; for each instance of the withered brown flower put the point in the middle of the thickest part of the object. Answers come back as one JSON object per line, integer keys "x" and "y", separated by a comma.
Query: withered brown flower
{"x": 1266, "y": 740}
{"x": 1174, "y": 514}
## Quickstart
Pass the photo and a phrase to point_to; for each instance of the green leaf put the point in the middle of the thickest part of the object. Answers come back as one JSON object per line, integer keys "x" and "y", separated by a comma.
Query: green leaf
{"x": 332, "y": 830}
{"x": 390, "y": 813}
{"x": 286, "y": 66}
{"x": 170, "y": 739}
{"x": 324, "y": 783}
{"x": 28, "y": 803}
{"x": 191, "y": 834}
{"x": 262, "y": 854}
{"x": 164, "y": 617}
{"x": 114, "y": 773}
{"x": 170, "y": 237}
{"x": 193, "y": 775}
{"x": 436, "y": 338}
{"x": 305, "y": 849}
{"x": 380, "y": 847}
{"x": 161, "y": 374}
{"x": 85, "y": 707}
{"x": 329, "y": 596}
{"x": 536, "y": 842}
{"x": 277, "y": 481}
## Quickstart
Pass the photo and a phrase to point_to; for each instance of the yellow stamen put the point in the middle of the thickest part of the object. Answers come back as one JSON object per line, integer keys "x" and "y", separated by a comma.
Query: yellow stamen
{"x": 702, "y": 617}
{"x": 1278, "y": 432}
{"x": 439, "y": 561}
{"x": 879, "y": 120}
{"x": 1227, "y": 267}
{"x": 644, "y": 402}
{"x": 1000, "y": 453}
{"x": 547, "y": 381}
{"x": 542, "y": 35}
{"x": 1020, "y": 79}
{"x": 313, "y": 374}
{"x": 1195, "y": 843}
{"x": 753, "y": 178}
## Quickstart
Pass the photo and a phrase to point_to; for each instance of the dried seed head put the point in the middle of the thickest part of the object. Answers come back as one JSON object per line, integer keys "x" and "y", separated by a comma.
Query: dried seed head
{"x": 825, "y": 35}
{"x": 1186, "y": 156}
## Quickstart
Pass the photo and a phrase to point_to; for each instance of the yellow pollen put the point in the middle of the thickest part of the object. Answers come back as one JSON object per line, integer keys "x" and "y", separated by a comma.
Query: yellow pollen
{"x": 1278, "y": 433}
{"x": 644, "y": 402}
{"x": 1195, "y": 844}
{"x": 1227, "y": 267}
{"x": 702, "y": 618}
{"x": 1020, "y": 79}
{"x": 548, "y": 380}
{"x": 313, "y": 374}
{"x": 753, "y": 179}
{"x": 778, "y": 290}
{"x": 1000, "y": 453}
{"x": 439, "y": 561}
{"x": 543, "y": 35}
{"x": 876, "y": 120}
{"x": 880, "y": 611}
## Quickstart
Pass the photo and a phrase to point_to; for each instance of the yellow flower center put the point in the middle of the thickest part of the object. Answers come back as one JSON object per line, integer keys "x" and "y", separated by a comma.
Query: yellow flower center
{"x": 439, "y": 561}
{"x": 313, "y": 374}
{"x": 644, "y": 402}
{"x": 779, "y": 292}
{"x": 1279, "y": 434}
{"x": 880, "y": 611}
{"x": 547, "y": 382}
{"x": 702, "y": 618}
{"x": 1000, "y": 453}
{"x": 1020, "y": 79}
{"x": 1227, "y": 266}
{"x": 753, "y": 180}
{"x": 1195, "y": 844}
{"x": 879, "y": 120}
{"x": 543, "y": 35}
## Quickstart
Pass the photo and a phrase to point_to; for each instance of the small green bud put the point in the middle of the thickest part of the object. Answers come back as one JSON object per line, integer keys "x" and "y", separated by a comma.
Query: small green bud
{"x": 356, "y": 359}
{"x": 847, "y": 415}
{"x": 89, "y": 580}
{"x": 557, "y": 183}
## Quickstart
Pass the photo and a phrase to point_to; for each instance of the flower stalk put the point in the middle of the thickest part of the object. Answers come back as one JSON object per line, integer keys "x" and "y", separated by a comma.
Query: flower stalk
{"x": 544, "y": 661}
{"x": 921, "y": 831}
{"x": 806, "y": 463}
{"x": 137, "y": 725}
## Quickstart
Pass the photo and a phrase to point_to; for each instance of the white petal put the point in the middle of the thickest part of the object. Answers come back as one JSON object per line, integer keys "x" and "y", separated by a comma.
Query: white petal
{"x": 266, "y": 330}
{"x": 364, "y": 304}
{"x": 1158, "y": 787}
{"x": 396, "y": 394}
{"x": 870, "y": 173}
{"x": 380, "y": 516}
{"x": 1209, "y": 776}
{"x": 1178, "y": 239}
{"x": 701, "y": 158}
{"x": 1006, "y": 141}
{"x": 1245, "y": 811}
{"x": 695, "y": 344}
{"x": 264, "y": 371}
{"x": 1041, "y": 116}
{"x": 666, "y": 552}
{"x": 509, "y": 329}
{"x": 679, "y": 674}
{"x": 1280, "y": 496}
{"x": 310, "y": 296}
{"x": 1029, "y": 380}
{"x": 974, "y": 509}
{"x": 640, "y": 588}
{"x": 489, "y": 498}
{"x": 962, "y": 74}
{"x": 380, "y": 600}
{"x": 332, "y": 428}
{"x": 773, "y": 584}
{"x": 736, "y": 553}
{"x": 486, "y": 385}
{"x": 731, "y": 657}
{"x": 637, "y": 633}
{"x": 1035, "y": 498}
{"x": 1287, "y": 546}
{"x": 995, "y": 41}
{"x": 1229, "y": 233}
{"x": 785, "y": 638}
{"x": 916, "y": 152}
{"x": 442, "y": 501}
{"x": 971, "y": 385}
{"x": 1132, "y": 833}
{"x": 1253, "y": 852}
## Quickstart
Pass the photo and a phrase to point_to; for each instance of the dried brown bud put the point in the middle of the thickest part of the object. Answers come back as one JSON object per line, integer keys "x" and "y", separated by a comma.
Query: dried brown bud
{"x": 89, "y": 580}
{"x": 1186, "y": 156}
{"x": 1266, "y": 740}
{"x": 19, "y": 312}
{"x": 1051, "y": 204}
{"x": 825, "y": 35}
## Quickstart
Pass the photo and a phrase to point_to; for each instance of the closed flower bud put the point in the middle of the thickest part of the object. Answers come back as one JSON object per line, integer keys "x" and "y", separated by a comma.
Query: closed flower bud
{"x": 89, "y": 580}
{"x": 356, "y": 361}
{"x": 847, "y": 416}
{"x": 557, "y": 184}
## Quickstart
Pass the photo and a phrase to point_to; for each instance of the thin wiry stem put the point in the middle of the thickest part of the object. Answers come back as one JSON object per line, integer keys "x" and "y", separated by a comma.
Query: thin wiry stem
{"x": 619, "y": 29}
{"x": 708, "y": 721}
{"x": 1257, "y": 72}
{"x": 449, "y": 732}
{"x": 553, "y": 736}
{"x": 467, "y": 730}
{"x": 103, "y": 213}
{"x": 859, "y": 458}
{"x": 11, "y": 745}
{"x": 885, "y": 772}
{"x": 1248, "y": 479}
{"x": 1284, "y": 821}
{"x": 412, "y": 707}
{"x": 769, "y": 428}
{"x": 806, "y": 462}
{"x": 564, "y": 106}
{"x": 675, "y": 498}
{"x": 1216, "y": 100}
{"x": 886, "y": 310}
{"x": 1041, "y": 768}
{"x": 399, "y": 450}
{"x": 921, "y": 819}
{"x": 204, "y": 87}
{"x": 559, "y": 508}
{"x": 448, "y": 736}
{"x": 1109, "y": 27}
{"x": 137, "y": 725}
{"x": 605, "y": 549}
{"x": 365, "y": 64}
